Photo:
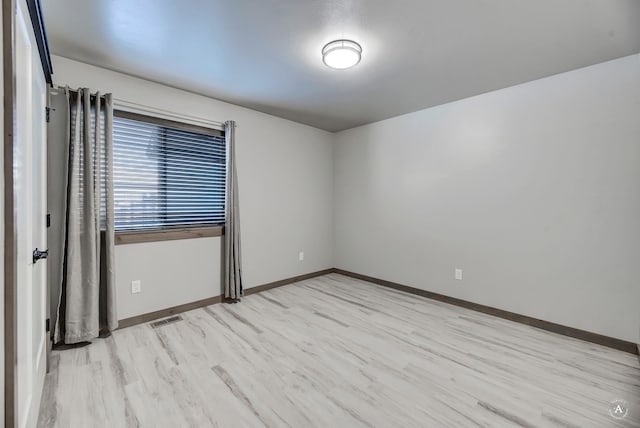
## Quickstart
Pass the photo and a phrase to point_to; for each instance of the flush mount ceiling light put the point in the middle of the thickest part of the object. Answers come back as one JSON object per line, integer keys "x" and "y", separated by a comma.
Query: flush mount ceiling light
{"x": 341, "y": 54}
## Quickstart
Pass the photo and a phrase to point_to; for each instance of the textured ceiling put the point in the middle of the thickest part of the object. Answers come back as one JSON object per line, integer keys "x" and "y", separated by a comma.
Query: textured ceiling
{"x": 265, "y": 54}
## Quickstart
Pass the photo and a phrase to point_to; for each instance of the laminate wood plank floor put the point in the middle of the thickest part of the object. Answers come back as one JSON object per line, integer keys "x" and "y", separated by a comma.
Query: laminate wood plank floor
{"x": 338, "y": 352}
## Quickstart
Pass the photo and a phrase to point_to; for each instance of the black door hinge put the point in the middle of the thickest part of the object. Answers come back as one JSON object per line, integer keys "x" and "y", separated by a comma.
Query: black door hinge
{"x": 47, "y": 110}
{"x": 48, "y": 220}
{"x": 48, "y": 325}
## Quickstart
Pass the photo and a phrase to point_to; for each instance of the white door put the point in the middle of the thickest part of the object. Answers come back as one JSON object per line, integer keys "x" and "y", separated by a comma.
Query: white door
{"x": 30, "y": 204}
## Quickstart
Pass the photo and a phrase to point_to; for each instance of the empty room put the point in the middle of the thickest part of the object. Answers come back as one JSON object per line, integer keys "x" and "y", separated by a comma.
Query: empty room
{"x": 320, "y": 213}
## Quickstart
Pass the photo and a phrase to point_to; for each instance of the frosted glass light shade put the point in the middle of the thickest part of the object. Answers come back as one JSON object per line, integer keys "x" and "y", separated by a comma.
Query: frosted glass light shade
{"x": 341, "y": 54}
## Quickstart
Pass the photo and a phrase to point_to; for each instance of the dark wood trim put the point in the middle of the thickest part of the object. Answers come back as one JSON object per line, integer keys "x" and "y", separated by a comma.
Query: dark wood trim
{"x": 168, "y": 234}
{"x": 163, "y": 313}
{"x": 10, "y": 262}
{"x": 37, "y": 22}
{"x": 575, "y": 333}
{"x": 275, "y": 284}
{"x": 168, "y": 123}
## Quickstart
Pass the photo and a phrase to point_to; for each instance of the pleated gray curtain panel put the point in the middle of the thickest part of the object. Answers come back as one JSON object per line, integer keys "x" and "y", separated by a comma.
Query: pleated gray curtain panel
{"x": 233, "y": 261}
{"x": 87, "y": 305}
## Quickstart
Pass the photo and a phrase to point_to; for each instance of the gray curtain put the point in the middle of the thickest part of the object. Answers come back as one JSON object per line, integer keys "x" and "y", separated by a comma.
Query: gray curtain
{"x": 86, "y": 308}
{"x": 233, "y": 262}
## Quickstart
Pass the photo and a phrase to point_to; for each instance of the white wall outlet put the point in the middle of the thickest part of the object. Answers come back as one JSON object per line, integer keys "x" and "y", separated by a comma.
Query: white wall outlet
{"x": 458, "y": 274}
{"x": 301, "y": 256}
{"x": 136, "y": 286}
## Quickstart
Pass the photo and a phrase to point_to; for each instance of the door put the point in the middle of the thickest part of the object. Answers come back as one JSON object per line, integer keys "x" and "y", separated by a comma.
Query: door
{"x": 30, "y": 205}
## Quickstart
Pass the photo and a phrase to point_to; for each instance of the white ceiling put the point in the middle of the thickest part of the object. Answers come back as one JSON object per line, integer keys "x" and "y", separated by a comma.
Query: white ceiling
{"x": 265, "y": 54}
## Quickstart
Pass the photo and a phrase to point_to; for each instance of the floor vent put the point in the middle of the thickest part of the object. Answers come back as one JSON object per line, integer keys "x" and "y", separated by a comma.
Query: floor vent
{"x": 166, "y": 321}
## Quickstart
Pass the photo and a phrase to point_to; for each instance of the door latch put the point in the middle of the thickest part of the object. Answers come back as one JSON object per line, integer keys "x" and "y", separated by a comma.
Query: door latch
{"x": 40, "y": 254}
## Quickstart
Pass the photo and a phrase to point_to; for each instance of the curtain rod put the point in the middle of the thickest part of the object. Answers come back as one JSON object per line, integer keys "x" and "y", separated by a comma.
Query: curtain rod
{"x": 149, "y": 109}
{"x": 143, "y": 107}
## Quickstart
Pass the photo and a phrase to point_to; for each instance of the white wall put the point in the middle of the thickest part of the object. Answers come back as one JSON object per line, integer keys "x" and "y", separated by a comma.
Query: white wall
{"x": 533, "y": 190}
{"x": 180, "y": 271}
{"x": 285, "y": 179}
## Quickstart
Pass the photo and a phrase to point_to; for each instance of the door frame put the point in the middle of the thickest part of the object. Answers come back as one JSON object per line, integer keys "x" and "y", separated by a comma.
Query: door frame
{"x": 10, "y": 224}
{"x": 37, "y": 22}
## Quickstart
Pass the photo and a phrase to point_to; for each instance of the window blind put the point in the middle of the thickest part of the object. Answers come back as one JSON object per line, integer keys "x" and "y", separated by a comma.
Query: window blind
{"x": 166, "y": 174}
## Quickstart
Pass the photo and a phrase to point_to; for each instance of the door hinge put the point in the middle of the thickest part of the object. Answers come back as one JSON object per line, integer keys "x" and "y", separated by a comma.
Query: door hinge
{"x": 47, "y": 110}
{"x": 48, "y": 220}
{"x": 48, "y": 325}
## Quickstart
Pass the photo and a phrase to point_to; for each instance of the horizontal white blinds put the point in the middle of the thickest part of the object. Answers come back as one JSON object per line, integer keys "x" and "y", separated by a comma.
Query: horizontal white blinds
{"x": 166, "y": 177}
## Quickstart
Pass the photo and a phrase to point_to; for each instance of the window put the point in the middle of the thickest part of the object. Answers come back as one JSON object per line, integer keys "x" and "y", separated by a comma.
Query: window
{"x": 166, "y": 174}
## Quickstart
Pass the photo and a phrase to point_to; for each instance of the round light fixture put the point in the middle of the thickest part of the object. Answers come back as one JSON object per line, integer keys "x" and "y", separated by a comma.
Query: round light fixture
{"x": 341, "y": 54}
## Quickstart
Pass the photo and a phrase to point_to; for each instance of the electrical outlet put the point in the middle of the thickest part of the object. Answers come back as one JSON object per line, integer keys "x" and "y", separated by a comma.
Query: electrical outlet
{"x": 136, "y": 286}
{"x": 458, "y": 274}
{"x": 301, "y": 256}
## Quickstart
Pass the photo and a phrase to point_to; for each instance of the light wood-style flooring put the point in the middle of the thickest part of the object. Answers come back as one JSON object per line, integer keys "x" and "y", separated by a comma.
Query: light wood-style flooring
{"x": 338, "y": 352}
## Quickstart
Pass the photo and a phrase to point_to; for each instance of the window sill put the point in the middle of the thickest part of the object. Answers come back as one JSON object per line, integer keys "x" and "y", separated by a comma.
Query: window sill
{"x": 123, "y": 238}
